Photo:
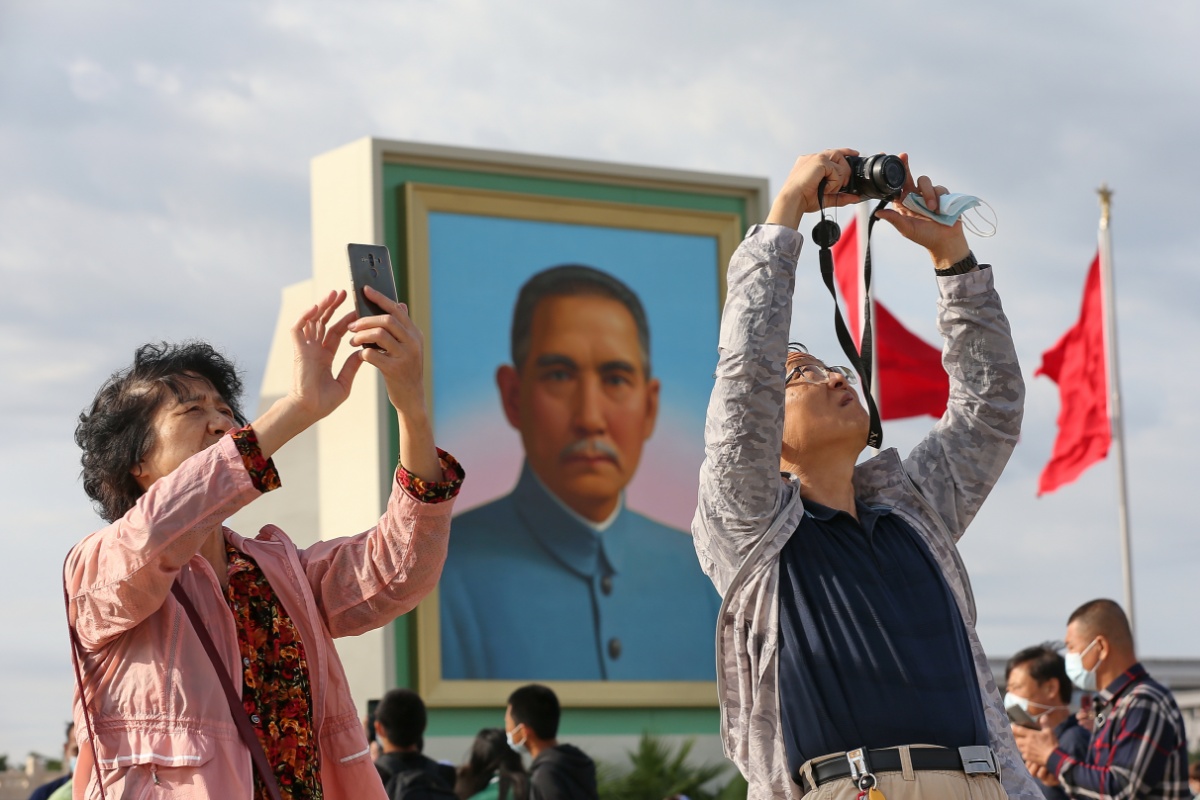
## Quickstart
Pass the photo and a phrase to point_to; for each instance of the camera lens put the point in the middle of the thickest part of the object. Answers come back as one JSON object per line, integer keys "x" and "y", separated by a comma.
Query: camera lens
{"x": 893, "y": 173}
{"x": 878, "y": 176}
{"x": 885, "y": 174}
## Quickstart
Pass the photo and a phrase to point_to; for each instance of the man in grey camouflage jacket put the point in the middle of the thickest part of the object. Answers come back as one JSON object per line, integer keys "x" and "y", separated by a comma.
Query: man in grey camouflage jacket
{"x": 848, "y": 620}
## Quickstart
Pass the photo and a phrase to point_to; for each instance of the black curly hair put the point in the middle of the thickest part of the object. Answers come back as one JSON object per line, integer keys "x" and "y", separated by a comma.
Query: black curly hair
{"x": 116, "y": 432}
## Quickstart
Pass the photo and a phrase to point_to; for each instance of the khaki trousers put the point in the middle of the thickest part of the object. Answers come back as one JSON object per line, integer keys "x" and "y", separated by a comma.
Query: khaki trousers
{"x": 910, "y": 784}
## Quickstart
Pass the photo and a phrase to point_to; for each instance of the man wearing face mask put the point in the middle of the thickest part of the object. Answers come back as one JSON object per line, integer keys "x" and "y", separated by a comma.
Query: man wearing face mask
{"x": 1038, "y": 696}
{"x": 558, "y": 771}
{"x": 1138, "y": 748}
{"x": 70, "y": 753}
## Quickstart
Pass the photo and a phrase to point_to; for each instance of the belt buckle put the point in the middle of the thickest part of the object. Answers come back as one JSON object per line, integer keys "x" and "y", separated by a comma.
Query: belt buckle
{"x": 978, "y": 760}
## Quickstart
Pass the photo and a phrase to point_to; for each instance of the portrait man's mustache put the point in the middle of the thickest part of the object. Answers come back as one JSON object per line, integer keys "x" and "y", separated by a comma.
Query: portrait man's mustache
{"x": 591, "y": 447}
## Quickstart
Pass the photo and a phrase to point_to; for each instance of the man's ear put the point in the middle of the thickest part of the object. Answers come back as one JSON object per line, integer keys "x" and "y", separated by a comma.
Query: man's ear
{"x": 379, "y": 734}
{"x": 508, "y": 380}
{"x": 652, "y": 392}
{"x": 1055, "y": 688}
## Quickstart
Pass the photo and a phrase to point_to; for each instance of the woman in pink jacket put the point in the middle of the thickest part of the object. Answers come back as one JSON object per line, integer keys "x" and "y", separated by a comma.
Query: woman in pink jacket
{"x": 167, "y": 457}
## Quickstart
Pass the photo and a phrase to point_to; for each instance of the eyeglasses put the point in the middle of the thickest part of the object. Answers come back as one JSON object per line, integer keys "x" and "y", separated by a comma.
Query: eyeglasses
{"x": 815, "y": 373}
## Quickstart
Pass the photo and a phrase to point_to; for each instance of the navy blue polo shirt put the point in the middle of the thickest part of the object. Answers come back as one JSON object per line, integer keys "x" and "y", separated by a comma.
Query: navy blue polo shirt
{"x": 873, "y": 651}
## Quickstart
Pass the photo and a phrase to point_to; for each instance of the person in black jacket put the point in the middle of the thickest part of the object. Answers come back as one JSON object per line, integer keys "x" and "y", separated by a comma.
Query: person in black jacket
{"x": 70, "y": 752}
{"x": 1037, "y": 685}
{"x": 400, "y": 720}
{"x": 558, "y": 771}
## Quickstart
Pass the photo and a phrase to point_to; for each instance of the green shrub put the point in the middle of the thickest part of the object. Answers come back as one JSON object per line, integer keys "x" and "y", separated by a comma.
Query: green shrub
{"x": 657, "y": 773}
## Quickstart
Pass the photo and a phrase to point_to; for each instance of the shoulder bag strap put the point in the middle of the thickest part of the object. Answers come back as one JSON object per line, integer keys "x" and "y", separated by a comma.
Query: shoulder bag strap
{"x": 249, "y": 737}
{"x": 76, "y": 657}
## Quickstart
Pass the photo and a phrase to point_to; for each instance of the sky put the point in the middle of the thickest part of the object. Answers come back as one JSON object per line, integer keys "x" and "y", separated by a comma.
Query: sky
{"x": 154, "y": 164}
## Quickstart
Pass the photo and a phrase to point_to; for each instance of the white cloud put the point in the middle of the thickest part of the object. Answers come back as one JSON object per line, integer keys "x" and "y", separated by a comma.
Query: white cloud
{"x": 91, "y": 82}
{"x": 158, "y": 78}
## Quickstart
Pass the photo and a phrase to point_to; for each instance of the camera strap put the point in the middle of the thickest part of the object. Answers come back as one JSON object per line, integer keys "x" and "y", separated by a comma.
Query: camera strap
{"x": 826, "y": 234}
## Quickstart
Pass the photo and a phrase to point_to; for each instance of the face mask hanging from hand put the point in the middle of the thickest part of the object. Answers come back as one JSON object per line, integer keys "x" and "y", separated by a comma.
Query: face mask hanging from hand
{"x": 952, "y": 207}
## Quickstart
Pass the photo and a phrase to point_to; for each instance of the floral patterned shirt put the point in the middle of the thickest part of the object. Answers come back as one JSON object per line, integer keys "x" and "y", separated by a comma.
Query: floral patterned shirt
{"x": 276, "y": 690}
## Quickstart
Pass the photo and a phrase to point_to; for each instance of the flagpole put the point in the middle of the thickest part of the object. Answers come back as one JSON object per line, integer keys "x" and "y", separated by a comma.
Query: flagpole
{"x": 1114, "y": 392}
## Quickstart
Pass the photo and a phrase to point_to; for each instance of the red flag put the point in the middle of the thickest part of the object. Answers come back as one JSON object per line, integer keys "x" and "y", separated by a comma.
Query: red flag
{"x": 911, "y": 378}
{"x": 848, "y": 272}
{"x": 908, "y": 371}
{"x": 1077, "y": 364}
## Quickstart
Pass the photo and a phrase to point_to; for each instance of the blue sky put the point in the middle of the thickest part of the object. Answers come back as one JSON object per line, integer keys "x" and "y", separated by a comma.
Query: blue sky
{"x": 154, "y": 162}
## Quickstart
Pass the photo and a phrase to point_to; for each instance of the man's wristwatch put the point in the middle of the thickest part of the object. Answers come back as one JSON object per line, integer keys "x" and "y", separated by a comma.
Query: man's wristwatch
{"x": 968, "y": 264}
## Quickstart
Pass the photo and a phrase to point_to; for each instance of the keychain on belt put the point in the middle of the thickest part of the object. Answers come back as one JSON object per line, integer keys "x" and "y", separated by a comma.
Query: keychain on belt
{"x": 868, "y": 788}
{"x": 864, "y": 779}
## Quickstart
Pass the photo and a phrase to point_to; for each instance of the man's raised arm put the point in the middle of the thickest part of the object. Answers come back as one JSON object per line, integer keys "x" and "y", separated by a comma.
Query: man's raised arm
{"x": 962, "y": 457}
{"x": 740, "y": 486}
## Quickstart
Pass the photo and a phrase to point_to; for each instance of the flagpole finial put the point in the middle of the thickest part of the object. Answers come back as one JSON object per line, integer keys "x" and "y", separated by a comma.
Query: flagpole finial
{"x": 1105, "y": 203}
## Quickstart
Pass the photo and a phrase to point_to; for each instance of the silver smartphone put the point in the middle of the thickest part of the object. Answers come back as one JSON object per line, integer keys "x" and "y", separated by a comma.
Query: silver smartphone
{"x": 371, "y": 265}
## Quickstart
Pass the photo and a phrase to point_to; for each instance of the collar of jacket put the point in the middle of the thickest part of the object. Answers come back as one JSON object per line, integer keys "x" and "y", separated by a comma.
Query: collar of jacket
{"x": 581, "y": 548}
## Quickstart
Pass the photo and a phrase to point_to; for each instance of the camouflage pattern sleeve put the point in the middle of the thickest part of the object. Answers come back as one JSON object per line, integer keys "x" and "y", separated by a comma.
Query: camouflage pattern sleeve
{"x": 960, "y": 460}
{"x": 740, "y": 486}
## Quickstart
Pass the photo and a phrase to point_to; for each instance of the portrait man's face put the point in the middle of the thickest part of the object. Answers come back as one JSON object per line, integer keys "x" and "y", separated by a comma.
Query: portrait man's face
{"x": 581, "y": 400}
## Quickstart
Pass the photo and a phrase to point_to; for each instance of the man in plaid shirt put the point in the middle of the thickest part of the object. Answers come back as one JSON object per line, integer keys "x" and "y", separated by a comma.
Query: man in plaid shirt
{"x": 1138, "y": 747}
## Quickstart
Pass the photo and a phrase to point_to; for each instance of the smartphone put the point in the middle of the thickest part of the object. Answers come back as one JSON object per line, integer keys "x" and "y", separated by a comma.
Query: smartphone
{"x": 1018, "y": 716}
{"x": 370, "y": 265}
{"x": 371, "y": 706}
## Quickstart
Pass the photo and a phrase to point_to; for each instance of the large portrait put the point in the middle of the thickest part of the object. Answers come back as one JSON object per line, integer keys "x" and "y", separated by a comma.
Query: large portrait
{"x": 570, "y": 345}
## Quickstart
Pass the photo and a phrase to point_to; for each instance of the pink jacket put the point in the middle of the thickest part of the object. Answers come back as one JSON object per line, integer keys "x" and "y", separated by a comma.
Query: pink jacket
{"x": 161, "y": 721}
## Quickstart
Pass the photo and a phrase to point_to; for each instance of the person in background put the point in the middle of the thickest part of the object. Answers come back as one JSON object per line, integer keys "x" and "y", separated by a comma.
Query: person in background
{"x": 558, "y": 771}
{"x": 400, "y": 720}
{"x": 70, "y": 753}
{"x": 493, "y": 770}
{"x": 1139, "y": 748}
{"x": 1039, "y": 691}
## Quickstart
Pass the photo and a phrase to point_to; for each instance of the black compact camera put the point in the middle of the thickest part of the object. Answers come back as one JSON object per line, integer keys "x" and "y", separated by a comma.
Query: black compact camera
{"x": 879, "y": 176}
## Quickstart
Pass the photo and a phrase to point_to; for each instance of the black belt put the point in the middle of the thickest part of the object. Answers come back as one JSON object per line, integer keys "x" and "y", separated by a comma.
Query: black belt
{"x": 923, "y": 758}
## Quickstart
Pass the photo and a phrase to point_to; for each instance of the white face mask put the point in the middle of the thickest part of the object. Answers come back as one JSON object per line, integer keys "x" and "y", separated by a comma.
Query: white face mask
{"x": 523, "y": 747}
{"x": 1085, "y": 679}
{"x": 1016, "y": 701}
{"x": 951, "y": 207}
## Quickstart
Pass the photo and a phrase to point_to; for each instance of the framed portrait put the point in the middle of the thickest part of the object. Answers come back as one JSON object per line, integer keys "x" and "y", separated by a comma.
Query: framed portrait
{"x": 571, "y": 562}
